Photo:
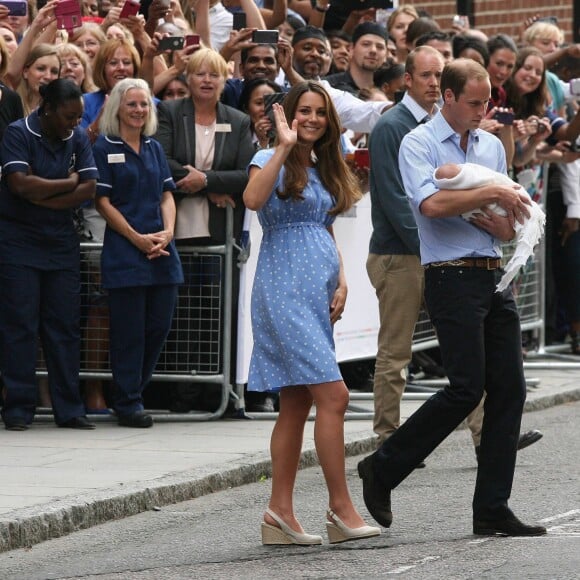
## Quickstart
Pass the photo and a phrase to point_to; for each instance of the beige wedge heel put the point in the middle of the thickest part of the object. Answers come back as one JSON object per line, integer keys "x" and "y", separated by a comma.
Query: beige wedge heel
{"x": 338, "y": 532}
{"x": 283, "y": 535}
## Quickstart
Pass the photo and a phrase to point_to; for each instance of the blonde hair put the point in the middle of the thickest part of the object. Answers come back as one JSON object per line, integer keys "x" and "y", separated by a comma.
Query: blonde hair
{"x": 30, "y": 100}
{"x": 542, "y": 30}
{"x": 408, "y": 9}
{"x": 88, "y": 28}
{"x": 207, "y": 55}
{"x": 213, "y": 59}
{"x": 109, "y": 122}
{"x": 67, "y": 50}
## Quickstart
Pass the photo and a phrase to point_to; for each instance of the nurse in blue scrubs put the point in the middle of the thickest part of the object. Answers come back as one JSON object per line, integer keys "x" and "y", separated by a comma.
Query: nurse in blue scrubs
{"x": 140, "y": 265}
{"x": 47, "y": 170}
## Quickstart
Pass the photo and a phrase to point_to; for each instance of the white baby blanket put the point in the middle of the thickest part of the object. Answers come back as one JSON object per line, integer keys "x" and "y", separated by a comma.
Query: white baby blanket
{"x": 528, "y": 234}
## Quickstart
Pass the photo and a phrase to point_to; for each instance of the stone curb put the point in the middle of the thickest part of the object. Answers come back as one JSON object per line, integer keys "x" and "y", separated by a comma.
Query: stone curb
{"x": 75, "y": 513}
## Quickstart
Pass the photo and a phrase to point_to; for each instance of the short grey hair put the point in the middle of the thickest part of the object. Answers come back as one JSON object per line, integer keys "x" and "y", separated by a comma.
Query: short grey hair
{"x": 109, "y": 123}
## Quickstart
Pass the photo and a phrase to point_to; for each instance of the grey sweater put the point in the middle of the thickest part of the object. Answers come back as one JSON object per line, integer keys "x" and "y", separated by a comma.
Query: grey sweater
{"x": 394, "y": 227}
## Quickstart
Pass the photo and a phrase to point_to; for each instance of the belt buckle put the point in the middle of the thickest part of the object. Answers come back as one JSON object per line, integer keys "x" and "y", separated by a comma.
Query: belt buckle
{"x": 488, "y": 263}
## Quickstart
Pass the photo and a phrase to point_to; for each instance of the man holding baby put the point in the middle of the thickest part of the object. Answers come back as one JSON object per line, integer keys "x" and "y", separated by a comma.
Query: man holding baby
{"x": 478, "y": 328}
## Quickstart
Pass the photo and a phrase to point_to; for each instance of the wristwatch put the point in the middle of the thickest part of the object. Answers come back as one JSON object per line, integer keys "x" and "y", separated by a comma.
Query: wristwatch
{"x": 322, "y": 9}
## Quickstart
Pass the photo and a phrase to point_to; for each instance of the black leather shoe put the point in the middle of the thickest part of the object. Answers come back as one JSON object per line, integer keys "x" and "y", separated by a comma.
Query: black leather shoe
{"x": 138, "y": 420}
{"x": 77, "y": 423}
{"x": 509, "y": 526}
{"x": 376, "y": 498}
{"x": 529, "y": 438}
{"x": 15, "y": 426}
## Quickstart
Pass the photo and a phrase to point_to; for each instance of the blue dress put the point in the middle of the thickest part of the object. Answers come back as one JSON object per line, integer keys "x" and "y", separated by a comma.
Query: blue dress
{"x": 296, "y": 278}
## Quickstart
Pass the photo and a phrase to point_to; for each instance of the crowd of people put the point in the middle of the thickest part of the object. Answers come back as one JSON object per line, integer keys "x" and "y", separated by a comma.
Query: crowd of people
{"x": 154, "y": 123}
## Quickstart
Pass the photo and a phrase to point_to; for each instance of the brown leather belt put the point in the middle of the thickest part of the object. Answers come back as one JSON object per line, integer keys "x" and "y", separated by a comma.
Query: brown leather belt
{"x": 484, "y": 263}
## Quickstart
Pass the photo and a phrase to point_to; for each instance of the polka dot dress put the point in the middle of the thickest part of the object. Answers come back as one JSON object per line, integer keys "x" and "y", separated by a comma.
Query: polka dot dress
{"x": 295, "y": 281}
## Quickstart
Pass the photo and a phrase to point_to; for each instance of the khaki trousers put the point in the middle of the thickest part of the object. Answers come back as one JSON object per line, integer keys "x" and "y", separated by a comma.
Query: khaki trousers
{"x": 398, "y": 282}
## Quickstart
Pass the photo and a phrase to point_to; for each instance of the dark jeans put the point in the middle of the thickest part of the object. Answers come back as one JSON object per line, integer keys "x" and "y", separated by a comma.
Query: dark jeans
{"x": 479, "y": 335}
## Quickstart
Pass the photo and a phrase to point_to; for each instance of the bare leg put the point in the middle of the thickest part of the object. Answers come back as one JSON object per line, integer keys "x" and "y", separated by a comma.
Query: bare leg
{"x": 285, "y": 448}
{"x": 97, "y": 349}
{"x": 331, "y": 400}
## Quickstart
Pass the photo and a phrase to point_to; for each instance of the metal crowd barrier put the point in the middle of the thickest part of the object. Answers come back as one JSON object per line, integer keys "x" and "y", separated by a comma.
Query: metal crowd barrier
{"x": 197, "y": 350}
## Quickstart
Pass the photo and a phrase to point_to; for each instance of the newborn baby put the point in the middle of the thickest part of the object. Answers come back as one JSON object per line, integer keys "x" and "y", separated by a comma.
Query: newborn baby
{"x": 528, "y": 234}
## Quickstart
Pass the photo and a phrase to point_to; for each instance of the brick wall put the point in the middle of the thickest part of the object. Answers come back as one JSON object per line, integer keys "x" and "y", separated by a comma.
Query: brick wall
{"x": 493, "y": 16}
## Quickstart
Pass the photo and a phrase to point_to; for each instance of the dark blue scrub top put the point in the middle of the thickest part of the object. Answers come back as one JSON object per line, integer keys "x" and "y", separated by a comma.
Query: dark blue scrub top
{"x": 134, "y": 183}
{"x": 32, "y": 235}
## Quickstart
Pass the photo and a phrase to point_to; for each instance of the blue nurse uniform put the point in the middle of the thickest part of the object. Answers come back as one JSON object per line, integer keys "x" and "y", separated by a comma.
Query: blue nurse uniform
{"x": 39, "y": 274}
{"x": 142, "y": 292}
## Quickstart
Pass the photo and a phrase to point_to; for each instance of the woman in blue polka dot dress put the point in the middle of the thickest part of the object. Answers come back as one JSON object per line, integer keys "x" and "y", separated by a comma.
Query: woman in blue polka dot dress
{"x": 299, "y": 293}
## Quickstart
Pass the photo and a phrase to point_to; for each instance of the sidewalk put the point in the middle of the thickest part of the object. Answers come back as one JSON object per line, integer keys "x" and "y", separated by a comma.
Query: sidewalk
{"x": 56, "y": 481}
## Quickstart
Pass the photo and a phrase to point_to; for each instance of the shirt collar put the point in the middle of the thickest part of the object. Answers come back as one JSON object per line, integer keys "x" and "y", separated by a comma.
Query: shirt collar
{"x": 444, "y": 131}
{"x": 119, "y": 141}
{"x": 33, "y": 125}
{"x": 416, "y": 109}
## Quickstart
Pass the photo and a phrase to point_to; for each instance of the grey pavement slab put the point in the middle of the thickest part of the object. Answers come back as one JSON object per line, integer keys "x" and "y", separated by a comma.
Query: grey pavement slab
{"x": 55, "y": 481}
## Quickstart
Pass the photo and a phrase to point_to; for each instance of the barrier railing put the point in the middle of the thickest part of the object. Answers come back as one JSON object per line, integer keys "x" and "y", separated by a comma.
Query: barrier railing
{"x": 199, "y": 344}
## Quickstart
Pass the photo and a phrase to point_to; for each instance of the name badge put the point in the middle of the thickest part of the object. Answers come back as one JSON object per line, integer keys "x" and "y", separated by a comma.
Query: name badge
{"x": 116, "y": 158}
{"x": 223, "y": 128}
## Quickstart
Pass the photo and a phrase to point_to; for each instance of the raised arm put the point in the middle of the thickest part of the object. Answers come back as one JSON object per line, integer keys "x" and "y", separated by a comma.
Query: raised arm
{"x": 262, "y": 181}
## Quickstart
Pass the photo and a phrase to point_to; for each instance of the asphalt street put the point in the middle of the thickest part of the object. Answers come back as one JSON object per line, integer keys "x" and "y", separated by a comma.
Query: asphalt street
{"x": 217, "y": 536}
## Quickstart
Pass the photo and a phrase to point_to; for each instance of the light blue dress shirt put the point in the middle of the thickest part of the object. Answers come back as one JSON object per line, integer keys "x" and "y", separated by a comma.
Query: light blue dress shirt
{"x": 422, "y": 151}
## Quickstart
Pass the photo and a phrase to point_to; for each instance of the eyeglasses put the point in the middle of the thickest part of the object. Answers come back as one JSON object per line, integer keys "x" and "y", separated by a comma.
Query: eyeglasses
{"x": 88, "y": 44}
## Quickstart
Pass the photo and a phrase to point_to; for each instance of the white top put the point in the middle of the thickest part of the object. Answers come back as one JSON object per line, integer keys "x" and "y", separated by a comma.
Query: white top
{"x": 192, "y": 219}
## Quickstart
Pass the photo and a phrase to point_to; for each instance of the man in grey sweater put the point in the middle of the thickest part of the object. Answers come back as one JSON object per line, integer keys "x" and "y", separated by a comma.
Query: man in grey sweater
{"x": 393, "y": 264}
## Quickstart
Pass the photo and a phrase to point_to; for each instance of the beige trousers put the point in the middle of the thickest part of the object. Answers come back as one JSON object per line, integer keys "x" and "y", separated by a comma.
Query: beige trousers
{"x": 398, "y": 282}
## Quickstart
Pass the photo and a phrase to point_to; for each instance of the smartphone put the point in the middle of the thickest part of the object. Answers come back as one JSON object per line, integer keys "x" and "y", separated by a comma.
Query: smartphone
{"x": 68, "y": 15}
{"x": 265, "y": 36}
{"x": 550, "y": 19}
{"x": 239, "y": 20}
{"x": 130, "y": 8}
{"x": 362, "y": 158}
{"x": 575, "y": 87}
{"x": 269, "y": 100}
{"x": 171, "y": 43}
{"x": 504, "y": 117}
{"x": 16, "y": 8}
{"x": 191, "y": 39}
{"x": 460, "y": 20}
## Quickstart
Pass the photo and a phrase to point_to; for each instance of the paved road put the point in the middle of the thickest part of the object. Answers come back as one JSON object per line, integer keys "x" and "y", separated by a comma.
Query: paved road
{"x": 217, "y": 536}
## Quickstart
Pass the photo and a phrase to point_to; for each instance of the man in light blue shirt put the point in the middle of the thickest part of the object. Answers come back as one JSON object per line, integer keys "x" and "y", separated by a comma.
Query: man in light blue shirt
{"x": 478, "y": 329}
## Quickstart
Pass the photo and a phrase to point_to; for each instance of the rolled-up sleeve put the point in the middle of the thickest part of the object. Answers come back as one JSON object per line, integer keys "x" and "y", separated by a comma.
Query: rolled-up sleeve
{"x": 417, "y": 165}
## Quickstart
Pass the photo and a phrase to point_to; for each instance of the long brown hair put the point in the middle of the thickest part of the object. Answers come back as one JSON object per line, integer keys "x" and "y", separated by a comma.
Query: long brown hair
{"x": 533, "y": 103}
{"x": 334, "y": 173}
